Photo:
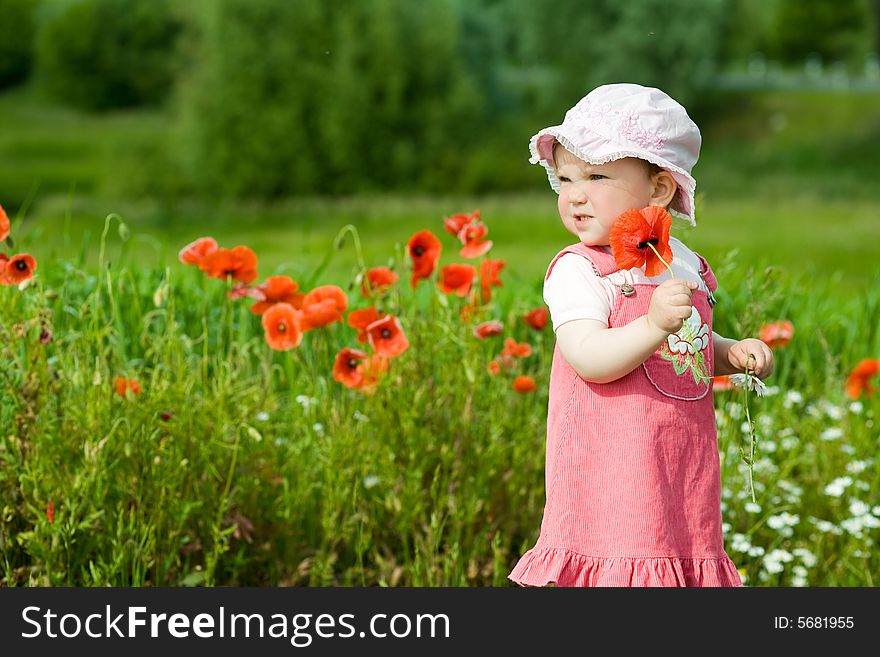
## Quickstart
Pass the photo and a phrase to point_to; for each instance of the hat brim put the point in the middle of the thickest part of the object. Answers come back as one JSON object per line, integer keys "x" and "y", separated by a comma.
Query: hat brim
{"x": 599, "y": 150}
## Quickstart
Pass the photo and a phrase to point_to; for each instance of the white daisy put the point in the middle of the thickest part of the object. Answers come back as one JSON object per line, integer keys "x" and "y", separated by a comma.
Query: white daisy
{"x": 749, "y": 382}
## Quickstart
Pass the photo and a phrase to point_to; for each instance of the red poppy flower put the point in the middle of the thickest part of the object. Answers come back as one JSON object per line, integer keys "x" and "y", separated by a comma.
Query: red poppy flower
{"x": 19, "y": 268}
{"x": 348, "y": 368}
{"x": 361, "y": 319}
{"x": 424, "y": 250}
{"x": 488, "y": 329}
{"x": 722, "y": 382}
{"x": 121, "y": 386}
{"x": 489, "y": 270}
{"x": 281, "y": 323}
{"x": 777, "y": 334}
{"x": 374, "y": 367}
{"x": 239, "y": 263}
{"x": 386, "y": 337}
{"x": 631, "y": 233}
{"x": 193, "y": 252}
{"x": 537, "y": 318}
{"x": 471, "y": 235}
{"x": 378, "y": 281}
{"x": 456, "y": 222}
{"x": 50, "y": 511}
{"x": 524, "y": 384}
{"x": 4, "y": 224}
{"x": 322, "y": 306}
{"x": 859, "y": 380}
{"x": 277, "y": 289}
{"x": 457, "y": 278}
{"x": 494, "y": 367}
{"x": 3, "y": 260}
{"x": 519, "y": 350}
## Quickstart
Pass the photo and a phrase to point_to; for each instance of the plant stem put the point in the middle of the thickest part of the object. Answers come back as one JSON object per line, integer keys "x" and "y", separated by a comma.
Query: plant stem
{"x": 657, "y": 253}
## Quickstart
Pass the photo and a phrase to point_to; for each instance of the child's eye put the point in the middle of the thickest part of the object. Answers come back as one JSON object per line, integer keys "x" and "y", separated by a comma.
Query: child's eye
{"x": 564, "y": 179}
{"x": 596, "y": 176}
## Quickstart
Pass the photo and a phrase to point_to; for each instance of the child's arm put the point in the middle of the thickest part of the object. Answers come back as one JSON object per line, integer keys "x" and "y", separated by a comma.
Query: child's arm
{"x": 601, "y": 354}
{"x": 731, "y": 356}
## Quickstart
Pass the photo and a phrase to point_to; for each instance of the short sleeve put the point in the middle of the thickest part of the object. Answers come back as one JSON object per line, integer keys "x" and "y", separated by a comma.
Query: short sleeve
{"x": 574, "y": 290}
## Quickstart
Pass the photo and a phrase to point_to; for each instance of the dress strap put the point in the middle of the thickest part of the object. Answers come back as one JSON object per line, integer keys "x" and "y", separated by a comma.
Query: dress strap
{"x": 603, "y": 262}
{"x": 708, "y": 277}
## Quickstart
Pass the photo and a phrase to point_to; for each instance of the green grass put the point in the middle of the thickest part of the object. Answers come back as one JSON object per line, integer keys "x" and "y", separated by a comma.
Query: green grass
{"x": 438, "y": 477}
{"x": 269, "y": 472}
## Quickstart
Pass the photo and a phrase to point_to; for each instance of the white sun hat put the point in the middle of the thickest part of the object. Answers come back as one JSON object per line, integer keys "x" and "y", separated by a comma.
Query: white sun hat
{"x": 627, "y": 120}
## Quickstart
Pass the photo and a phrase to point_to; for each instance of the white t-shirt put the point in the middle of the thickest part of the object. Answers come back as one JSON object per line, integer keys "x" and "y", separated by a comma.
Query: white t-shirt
{"x": 574, "y": 290}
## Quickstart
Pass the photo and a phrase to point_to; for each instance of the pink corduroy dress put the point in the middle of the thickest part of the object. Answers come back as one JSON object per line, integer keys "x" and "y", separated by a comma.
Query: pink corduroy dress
{"x": 633, "y": 482}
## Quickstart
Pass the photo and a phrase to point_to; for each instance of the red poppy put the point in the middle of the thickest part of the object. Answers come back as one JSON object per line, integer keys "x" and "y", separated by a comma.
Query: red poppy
{"x": 633, "y": 231}
{"x": 494, "y": 367}
{"x": 378, "y": 281}
{"x": 488, "y": 329}
{"x": 386, "y": 337}
{"x": 722, "y": 382}
{"x": 322, "y": 306}
{"x": 537, "y": 318}
{"x": 3, "y": 260}
{"x": 859, "y": 380}
{"x": 361, "y": 319}
{"x": 18, "y": 269}
{"x": 471, "y": 235}
{"x": 374, "y": 367}
{"x": 523, "y": 384}
{"x": 239, "y": 263}
{"x": 193, "y": 252}
{"x": 457, "y": 278}
{"x": 489, "y": 270}
{"x": 778, "y": 334}
{"x": 281, "y": 323}
{"x": 456, "y": 222}
{"x": 50, "y": 511}
{"x": 121, "y": 386}
{"x": 519, "y": 350}
{"x": 424, "y": 250}
{"x": 277, "y": 289}
{"x": 348, "y": 368}
{"x": 4, "y": 224}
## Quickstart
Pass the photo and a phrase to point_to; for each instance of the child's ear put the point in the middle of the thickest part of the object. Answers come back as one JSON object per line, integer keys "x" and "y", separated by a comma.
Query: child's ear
{"x": 664, "y": 187}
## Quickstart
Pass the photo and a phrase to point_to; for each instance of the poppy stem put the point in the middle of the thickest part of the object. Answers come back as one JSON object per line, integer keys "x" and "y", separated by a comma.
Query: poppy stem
{"x": 657, "y": 253}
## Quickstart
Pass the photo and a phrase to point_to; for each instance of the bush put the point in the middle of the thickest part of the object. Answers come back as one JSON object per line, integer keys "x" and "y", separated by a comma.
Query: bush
{"x": 101, "y": 54}
{"x": 315, "y": 97}
{"x": 16, "y": 40}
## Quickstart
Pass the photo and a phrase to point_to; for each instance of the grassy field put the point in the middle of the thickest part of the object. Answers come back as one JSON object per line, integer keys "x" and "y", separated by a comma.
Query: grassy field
{"x": 240, "y": 465}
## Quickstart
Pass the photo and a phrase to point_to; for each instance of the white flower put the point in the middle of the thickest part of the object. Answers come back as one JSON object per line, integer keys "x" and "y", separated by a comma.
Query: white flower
{"x": 863, "y": 485}
{"x": 734, "y": 410}
{"x": 876, "y": 510}
{"x": 753, "y": 507}
{"x": 262, "y": 416}
{"x": 740, "y": 543}
{"x": 726, "y": 526}
{"x": 836, "y": 487}
{"x": 749, "y": 382}
{"x": 360, "y": 417}
{"x": 745, "y": 428}
{"x": 847, "y": 449}
{"x": 831, "y": 433}
{"x": 858, "y": 508}
{"x": 853, "y": 526}
{"x": 768, "y": 445}
{"x": 792, "y": 397}
{"x": 318, "y": 428}
{"x": 808, "y": 558}
{"x": 831, "y": 410}
{"x": 855, "y": 467}
{"x": 306, "y": 401}
{"x": 856, "y": 407}
{"x": 370, "y": 481}
{"x": 773, "y": 561}
{"x": 756, "y": 551}
{"x": 825, "y": 526}
{"x": 784, "y": 519}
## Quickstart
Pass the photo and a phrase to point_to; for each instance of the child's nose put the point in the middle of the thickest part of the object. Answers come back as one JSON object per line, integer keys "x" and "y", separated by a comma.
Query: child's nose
{"x": 578, "y": 196}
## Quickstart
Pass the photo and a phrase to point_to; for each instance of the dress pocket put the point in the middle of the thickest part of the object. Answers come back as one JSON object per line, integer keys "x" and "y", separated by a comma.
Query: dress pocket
{"x": 682, "y": 367}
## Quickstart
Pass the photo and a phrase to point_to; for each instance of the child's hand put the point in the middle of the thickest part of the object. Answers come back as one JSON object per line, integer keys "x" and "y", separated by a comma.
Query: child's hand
{"x": 762, "y": 363}
{"x": 671, "y": 304}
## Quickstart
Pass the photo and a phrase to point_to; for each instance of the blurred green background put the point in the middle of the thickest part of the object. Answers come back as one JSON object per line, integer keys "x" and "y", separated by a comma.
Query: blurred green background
{"x": 275, "y": 122}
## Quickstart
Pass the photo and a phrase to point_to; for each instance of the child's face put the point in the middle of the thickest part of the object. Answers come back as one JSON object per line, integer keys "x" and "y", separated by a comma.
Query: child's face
{"x": 592, "y": 196}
